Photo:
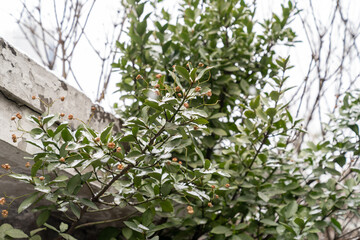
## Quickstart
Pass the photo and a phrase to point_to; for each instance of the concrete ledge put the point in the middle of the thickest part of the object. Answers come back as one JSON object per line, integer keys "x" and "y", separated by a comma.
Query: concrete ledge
{"x": 21, "y": 78}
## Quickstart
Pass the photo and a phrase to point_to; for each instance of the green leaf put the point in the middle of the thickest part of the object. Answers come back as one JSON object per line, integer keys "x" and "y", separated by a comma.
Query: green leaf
{"x": 341, "y": 160}
{"x": 269, "y": 222}
{"x": 166, "y": 206}
{"x": 43, "y": 217}
{"x": 249, "y": 114}
{"x": 28, "y": 202}
{"x": 73, "y": 183}
{"x": 355, "y": 128}
{"x": 133, "y": 226}
{"x": 127, "y": 232}
{"x": 106, "y": 133}
{"x": 36, "y": 237}
{"x": 60, "y": 128}
{"x": 201, "y": 74}
{"x": 244, "y": 236}
{"x": 152, "y": 103}
{"x": 42, "y": 188}
{"x": 336, "y": 224}
{"x": 183, "y": 72}
{"x": 66, "y": 135}
{"x": 221, "y": 230}
{"x": 231, "y": 69}
{"x": 16, "y": 233}
{"x": 274, "y": 95}
{"x": 36, "y": 133}
{"x": 263, "y": 196}
{"x": 61, "y": 178}
{"x": 271, "y": 112}
{"x": 67, "y": 236}
{"x": 201, "y": 121}
{"x": 141, "y": 27}
{"x": 200, "y": 154}
{"x": 193, "y": 74}
{"x": 254, "y": 103}
{"x": 51, "y": 227}
{"x": 63, "y": 227}
{"x": 291, "y": 209}
{"x": 128, "y": 138}
{"x": 218, "y": 115}
{"x": 23, "y": 177}
{"x": 35, "y": 231}
{"x": 75, "y": 209}
{"x": 219, "y": 131}
{"x": 147, "y": 217}
{"x": 300, "y": 222}
{"x": 88, "y": 203}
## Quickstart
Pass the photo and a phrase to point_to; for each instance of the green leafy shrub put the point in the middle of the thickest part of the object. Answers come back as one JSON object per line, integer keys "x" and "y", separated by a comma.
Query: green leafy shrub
{"x": 207, "y": 146}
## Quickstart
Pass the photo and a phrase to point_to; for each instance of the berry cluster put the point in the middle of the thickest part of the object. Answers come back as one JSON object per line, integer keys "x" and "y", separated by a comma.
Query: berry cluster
{"x": 6, "y": 166}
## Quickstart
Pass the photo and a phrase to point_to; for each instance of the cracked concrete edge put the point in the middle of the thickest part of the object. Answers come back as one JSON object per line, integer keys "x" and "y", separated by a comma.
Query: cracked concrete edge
{"x": 21, "y": 78}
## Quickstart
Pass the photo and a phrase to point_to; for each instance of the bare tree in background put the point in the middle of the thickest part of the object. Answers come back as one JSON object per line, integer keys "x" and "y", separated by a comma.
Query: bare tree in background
{"x": 333, "y": 59}
{"x": 54, "y": 34}
{"x": 333, "y": 62}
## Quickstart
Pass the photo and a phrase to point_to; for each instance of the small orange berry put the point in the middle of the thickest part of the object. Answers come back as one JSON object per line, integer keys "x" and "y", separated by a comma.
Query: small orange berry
{"x": 2, "y": 201}
{"x": 70, "y": 117}
{"x": 200, "y": 64}
{"x": 18, "y": 115}
{"x": 62, "y": 98}
{"x": 174, "y": 66}
{"x": 111, "y": 145}
{"x": 174, "y": 159}
{"x": 210, "y": 204}
{"x": 42, "y": 178}
{"x": 216, "y": 196}
{"x": 209, "y": 93}
{"x": 196, "y": 128}
{"x": 62, "y": 159}
{"x": 180, "y": 162}
{"x": 190, "y": 209}
{"x": 197, "y": 89}
{"x": 138, "y": 77}
{"x": 187, "y": 65}
{"x": 168, "y": 162}
{"x": 178, "y": 88}
{"x": 33, "y": 97}
{"x": 158, "y": 75}
{"x": 6, "y": 166}
{"x": 179, "y": 94}
{"x": 118, "y": 149}
{"x": 97, "y": 139}
{"x": 4, "y": 213}
{"x": 227, "y": 185}
{"x": 13, "y": 118}
{"x": 157, "y": 86}
{"x": 212, "y": 186}
{"x": 28, "y": 165}
{"x": 120, "y": 167}
{"x": 186, "y": 105}
{"x": 62, "y": 114}
{"x": 93, "y": 108}
{"x": 14, "y": 138}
